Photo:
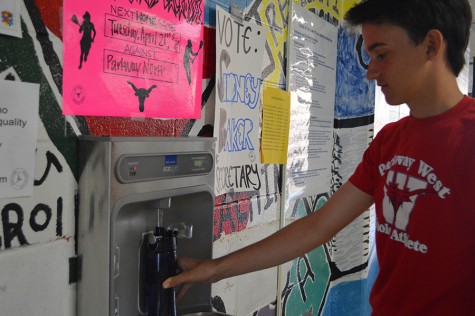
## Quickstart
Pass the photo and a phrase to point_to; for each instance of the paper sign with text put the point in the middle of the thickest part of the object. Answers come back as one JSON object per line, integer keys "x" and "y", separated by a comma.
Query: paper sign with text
{"x": 133, "y": 58}
{"x": 18, "y": 135}
{"x": 275, "y": 126}
{"x": 10, "y": 23}
{"x": 239, "y": 56}
{"x": 312, "y": 83}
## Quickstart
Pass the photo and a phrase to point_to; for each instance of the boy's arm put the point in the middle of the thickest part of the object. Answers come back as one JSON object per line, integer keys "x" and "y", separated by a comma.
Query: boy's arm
{"x": 286, "y": 244}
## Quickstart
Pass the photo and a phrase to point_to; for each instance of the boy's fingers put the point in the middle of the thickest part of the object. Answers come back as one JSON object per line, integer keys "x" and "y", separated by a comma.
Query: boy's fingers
{"x": 171, "y": 282}
{"x": 167, "y": 283}
{"x": 176, "y": 280}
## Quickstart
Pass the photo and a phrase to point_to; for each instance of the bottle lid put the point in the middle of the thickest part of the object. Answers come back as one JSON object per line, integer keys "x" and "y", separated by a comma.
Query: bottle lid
{"x": 165, "y": 240}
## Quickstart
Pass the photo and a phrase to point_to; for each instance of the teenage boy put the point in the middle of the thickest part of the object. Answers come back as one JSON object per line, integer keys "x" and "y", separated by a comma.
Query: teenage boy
{"x": 419, "y": 172}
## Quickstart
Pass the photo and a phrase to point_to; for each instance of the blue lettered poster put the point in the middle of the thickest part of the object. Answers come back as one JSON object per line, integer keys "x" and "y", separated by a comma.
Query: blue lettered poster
{"x": 239, "y": 57}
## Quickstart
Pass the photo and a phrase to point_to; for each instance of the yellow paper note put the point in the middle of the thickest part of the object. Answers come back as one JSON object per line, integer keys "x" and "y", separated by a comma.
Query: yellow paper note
{"x": 275, "y": 126}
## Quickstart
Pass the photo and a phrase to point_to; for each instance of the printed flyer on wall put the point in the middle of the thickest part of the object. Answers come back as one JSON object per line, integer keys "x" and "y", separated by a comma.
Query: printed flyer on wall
{"x": 239, "y": 55}
{"x": 10, "y": 23}
{"x": 312, "y": 78}
{"x": 133, "y": 58}
{"x": 18, "y": 134}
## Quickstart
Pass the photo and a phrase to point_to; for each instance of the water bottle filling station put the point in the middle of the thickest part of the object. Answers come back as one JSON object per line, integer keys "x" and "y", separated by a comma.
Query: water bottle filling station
{"x": 142, "y": 202}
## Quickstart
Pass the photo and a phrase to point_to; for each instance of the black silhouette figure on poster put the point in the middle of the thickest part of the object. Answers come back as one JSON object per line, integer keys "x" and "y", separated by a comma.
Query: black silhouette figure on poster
{"x": 188, "y": 56}
{"x": 88, "y": 35}
{"x": 142, "y": 94}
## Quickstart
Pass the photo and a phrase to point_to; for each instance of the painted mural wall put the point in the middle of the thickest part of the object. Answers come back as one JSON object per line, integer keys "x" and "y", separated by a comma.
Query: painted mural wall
{"x": 37, "y": 233}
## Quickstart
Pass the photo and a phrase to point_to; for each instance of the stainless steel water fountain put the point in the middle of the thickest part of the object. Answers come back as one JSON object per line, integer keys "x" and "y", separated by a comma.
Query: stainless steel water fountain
{"x": 127, "y": 187}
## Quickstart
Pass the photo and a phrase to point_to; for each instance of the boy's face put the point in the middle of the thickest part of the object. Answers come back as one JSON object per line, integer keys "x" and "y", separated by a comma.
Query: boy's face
{"x": 397, "y": 65}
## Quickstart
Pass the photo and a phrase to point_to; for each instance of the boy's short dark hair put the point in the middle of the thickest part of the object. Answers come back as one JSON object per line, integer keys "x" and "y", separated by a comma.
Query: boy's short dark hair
{"x": 452, "y": 18}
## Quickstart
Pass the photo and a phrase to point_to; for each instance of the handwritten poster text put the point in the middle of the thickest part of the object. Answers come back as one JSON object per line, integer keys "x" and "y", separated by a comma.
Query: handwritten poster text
{"x": 239, "y": 49}
{"x": 133, "y": 58}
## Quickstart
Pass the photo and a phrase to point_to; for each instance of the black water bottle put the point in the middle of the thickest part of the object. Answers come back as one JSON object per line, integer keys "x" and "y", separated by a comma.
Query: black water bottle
{"x": 160, "y": 264}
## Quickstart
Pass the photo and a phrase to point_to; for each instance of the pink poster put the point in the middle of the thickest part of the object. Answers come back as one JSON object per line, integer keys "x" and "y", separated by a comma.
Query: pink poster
{"x": 134, "y": 58}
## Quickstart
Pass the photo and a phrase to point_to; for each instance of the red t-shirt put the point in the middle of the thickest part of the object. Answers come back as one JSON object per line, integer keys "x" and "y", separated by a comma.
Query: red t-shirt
{"x": 421, "y": 173}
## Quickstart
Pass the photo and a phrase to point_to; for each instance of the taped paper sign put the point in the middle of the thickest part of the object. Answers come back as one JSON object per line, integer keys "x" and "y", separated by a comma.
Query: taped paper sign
{"x": 133, "y": 58}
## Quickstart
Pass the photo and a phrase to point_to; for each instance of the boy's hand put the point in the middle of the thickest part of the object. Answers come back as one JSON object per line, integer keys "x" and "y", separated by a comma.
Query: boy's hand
{"x": 194, "y": 271}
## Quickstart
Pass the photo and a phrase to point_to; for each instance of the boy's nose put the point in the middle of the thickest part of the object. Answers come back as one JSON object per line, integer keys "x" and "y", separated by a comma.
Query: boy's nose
{"x": 372, "y": 72}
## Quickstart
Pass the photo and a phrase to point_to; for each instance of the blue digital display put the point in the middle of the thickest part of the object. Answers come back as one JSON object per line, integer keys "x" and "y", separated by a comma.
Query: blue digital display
{"x": 170, "y": 160}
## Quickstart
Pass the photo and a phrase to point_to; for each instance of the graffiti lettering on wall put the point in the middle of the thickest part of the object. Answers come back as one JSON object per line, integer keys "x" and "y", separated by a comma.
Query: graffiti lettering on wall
{"x": 39, "y": 220}
{"x": 246, "y": 176}
{"x": 50, "y": 160}
{"x": 329, "y": 10}
{"x": 304, "y": 273}
{"x": 232, "y": 217}
{"x": 18, "y": 220}
{"x": 273, "y": 15}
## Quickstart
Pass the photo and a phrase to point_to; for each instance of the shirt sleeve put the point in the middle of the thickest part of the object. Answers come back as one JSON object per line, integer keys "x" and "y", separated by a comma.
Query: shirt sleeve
{"x": 364, "y": 176}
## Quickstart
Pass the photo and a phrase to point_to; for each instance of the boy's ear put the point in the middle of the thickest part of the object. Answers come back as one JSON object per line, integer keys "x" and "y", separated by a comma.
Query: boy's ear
{"x": 434, "y": 40}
